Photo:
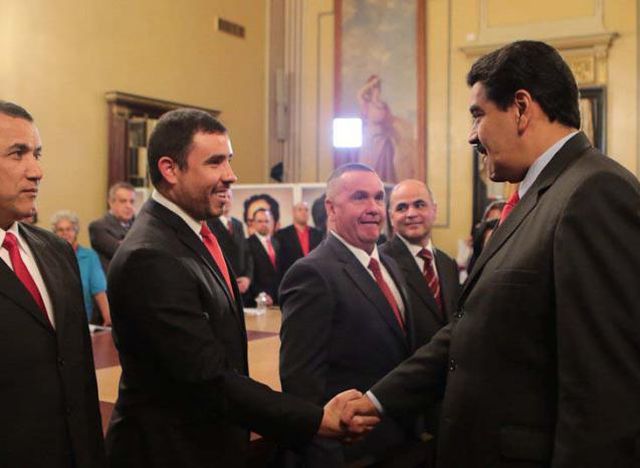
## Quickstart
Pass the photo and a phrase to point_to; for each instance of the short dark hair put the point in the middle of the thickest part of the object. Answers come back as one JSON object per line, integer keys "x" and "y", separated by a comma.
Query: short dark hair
{"x": 173, "y": 136}
{"x": 536, "y": 67}
{"x": 274, "y": 206}
{"x": 14, "y": 110}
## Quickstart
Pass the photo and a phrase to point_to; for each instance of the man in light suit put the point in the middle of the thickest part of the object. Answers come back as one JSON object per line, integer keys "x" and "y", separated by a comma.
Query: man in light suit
{"x": 340, "y": 329}
{"x": 48, "y": 393}
{"x": 106, "y": 234}
{"x": 184, "y": 398}
{"x": 297, "y": 239}
{"x": 542, "y": 367}
{"x": 412, "y": 211}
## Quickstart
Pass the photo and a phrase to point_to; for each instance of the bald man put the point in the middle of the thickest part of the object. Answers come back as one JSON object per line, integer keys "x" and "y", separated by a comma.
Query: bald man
{"x": 432, "y": 276}
{"x": 298, "y": 239}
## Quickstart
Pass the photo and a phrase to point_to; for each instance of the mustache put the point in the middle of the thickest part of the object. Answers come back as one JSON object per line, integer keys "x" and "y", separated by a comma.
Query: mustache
{"x": 478, "y": 146}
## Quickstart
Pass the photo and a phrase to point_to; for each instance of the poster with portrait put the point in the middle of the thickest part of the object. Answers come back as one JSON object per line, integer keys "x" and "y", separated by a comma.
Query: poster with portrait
{"x": 380, "y": 77}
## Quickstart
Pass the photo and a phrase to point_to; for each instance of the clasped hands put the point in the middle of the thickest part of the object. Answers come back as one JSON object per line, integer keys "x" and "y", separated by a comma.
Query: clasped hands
{"x": 349, "y": 415}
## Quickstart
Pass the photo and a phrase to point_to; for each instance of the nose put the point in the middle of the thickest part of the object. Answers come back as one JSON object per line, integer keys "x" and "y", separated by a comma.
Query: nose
{"x": 229, "y": 176}
{"x": 34, "y": 169}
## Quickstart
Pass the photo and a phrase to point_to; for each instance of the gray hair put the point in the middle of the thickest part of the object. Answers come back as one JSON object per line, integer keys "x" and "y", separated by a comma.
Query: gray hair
{"x": 65, "y": 215}
{"x": 117, "y": 186}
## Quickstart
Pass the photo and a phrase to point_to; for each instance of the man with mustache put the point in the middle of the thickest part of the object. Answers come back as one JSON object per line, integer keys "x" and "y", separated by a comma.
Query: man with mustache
{"x": 346, "y": 318}
{"x": 541, "y": 367}
{"x": 48, "y": 392}
{"x": 185, "y": 398}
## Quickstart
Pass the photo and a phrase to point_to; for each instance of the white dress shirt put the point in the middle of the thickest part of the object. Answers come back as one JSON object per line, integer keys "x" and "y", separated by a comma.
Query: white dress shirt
{"x": 30, "y": 262}
{"x": 416, "y": 249}
{"x": 364, "y": 258}
{"x": 168, "y": 204}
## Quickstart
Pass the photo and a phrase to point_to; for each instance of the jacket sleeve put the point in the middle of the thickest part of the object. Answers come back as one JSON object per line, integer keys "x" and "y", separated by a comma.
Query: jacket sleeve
{"x": 159, "y": 309}
{"x": 307, "y": 313}
{"x": 596, "y": 267}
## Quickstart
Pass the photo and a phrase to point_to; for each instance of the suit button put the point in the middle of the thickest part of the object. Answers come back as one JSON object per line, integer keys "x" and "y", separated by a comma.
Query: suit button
{"x": 206, "y": 316}
{"x": 60, "y": 362}
{"x": 460, "y": 314}
{"x": 452, "y": 365}
{"x": 68, "y": 410}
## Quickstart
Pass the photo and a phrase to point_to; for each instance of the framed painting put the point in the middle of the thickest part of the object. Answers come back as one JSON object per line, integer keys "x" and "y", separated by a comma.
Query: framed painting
{"x": 380, "y": 59}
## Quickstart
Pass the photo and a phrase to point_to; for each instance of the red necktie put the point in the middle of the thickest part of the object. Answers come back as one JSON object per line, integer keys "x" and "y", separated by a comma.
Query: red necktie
{"x": 271, "y": 253}
{"x": 511, "y": 203}
{"x": 303, "y": 237}
{"x": 430, "y": 277}
{"x": 20, "y": 269}
{"x": 374, "y": 266}
{"x": 230, "y": 226}
{"x": 213, "y": 247}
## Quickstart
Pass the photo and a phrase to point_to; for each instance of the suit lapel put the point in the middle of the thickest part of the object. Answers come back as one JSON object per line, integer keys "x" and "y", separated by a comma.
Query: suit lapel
{"x": 16, "y": 290}
{"x": 446, "y": 286}
{"x": 396, "y": 276}
{"x": 415, "y": 279}
{"x": 569, "y": 153}
{"x": 367, "y": 285}
{"x": 192, "y": 241}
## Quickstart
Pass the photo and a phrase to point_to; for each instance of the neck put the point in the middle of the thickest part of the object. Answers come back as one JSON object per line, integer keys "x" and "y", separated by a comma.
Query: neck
{"x": 546, "y": 136}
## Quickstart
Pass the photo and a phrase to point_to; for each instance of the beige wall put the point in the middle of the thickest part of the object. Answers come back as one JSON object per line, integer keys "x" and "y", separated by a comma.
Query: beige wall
{"x": 59, "y": 58}
{"x": 453, "y": 25}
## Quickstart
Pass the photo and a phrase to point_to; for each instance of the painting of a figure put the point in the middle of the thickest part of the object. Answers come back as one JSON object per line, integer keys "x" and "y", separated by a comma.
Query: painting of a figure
{"x": 379, "y": 78}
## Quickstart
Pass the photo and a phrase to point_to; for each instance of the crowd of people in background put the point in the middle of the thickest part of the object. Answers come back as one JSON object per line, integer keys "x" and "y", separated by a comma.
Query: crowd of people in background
{"x": 534, "y": 361}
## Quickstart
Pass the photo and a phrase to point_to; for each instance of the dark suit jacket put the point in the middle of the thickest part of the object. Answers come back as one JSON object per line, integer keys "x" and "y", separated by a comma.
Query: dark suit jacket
{"x": 184, "y": 398}
{"x": 48, "y": 393}
{"x": 106, "y": 235}
{"x": 234, "y": 246}
{"x": 339, "y": 332}
{"x": 428, "y": 319}
{"x": 265, "y": 277}
{"x": 290, "y": 248}
{"x": 542, "y": 367}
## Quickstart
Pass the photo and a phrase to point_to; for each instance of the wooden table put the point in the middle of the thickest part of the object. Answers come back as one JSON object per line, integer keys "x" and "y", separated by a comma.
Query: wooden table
{"x": 263, "y": 348}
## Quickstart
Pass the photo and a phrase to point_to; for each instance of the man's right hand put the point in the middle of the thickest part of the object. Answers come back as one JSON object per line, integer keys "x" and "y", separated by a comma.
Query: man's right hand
{"x": 358, "y": 408}
{"x": 334, "y": 426}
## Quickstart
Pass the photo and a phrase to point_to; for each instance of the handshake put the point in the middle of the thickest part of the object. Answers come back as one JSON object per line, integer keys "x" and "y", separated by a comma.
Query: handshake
{"x": 349, "y": 415}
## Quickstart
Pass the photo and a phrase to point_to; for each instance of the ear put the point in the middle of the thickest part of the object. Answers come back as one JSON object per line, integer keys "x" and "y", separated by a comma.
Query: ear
{"x": 523, "y": 103}
{"x": 168, "y": 168}
{"x": 329, "y": 207}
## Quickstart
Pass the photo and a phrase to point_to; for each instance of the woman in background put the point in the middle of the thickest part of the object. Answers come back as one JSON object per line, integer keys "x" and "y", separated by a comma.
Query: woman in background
{"x": 66, "y": 225}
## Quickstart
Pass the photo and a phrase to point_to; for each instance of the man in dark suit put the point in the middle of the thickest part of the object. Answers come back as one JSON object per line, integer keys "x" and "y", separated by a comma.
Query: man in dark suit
{"x": 185, "y": 399}
{"x": 230, "y": 234}
{"x": 542, "y": 366}
{"x": 48, "y": 393}
{"x": 341, "y": 328}
{"x": 298, "y": 239}
{"x": 432, "y": 276}
{"x": 106, "y": 234}
{"x": 265, "y": 252}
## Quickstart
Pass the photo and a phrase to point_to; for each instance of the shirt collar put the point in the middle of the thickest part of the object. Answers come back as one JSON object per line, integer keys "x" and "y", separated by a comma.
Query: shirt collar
{"x": 171, "y": 206}
{"x": 363, "y": 257}
{"x": 16, "y": 232}
{"x": 262, "y": 238}
{"x": 540, "y": 163}
{"x": 416, "y": 249}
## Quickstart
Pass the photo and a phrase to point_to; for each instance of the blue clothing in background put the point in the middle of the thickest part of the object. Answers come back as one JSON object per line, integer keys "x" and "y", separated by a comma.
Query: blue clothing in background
{"x": 91, "y": 276}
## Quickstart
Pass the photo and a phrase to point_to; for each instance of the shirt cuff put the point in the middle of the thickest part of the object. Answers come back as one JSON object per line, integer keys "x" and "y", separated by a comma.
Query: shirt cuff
{"x": 375, "y": 402}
